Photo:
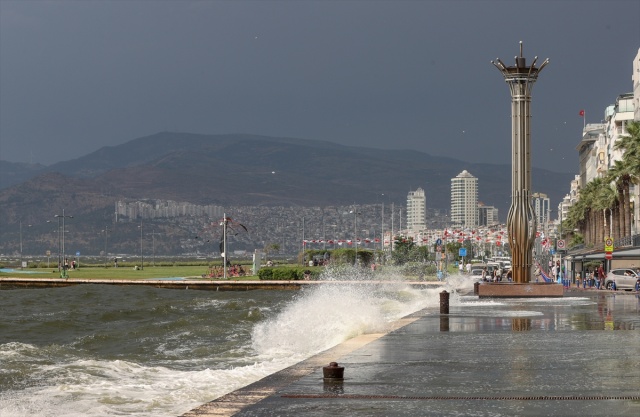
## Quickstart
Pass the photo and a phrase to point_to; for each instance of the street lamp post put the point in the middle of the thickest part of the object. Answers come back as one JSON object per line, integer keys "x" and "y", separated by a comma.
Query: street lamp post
{"x": 58, "y": 231}
{"x": 303, "y": 242}
{"x": 355, "y": 232}
{"x": 224, "y": 245}
{"x": 63, "y": 216}
{"x": 141, "y": 252}
{"x": 106, "y": 255}
{"x": 153, "y": 245}
{"x": 21, "y": 260}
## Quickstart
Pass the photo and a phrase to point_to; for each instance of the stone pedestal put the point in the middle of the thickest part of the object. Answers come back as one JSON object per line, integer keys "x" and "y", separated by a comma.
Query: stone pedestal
{"x": 519, "y": 290}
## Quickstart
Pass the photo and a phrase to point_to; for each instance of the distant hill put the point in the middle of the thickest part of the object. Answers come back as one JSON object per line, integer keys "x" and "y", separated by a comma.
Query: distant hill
{"x": 287, "y": 177}
{"x": 258, "y": 170}
{"x": 12, "y": 173}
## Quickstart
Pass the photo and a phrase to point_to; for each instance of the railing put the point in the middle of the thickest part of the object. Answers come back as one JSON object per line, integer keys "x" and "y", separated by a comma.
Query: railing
{"x": 628, "y": 241}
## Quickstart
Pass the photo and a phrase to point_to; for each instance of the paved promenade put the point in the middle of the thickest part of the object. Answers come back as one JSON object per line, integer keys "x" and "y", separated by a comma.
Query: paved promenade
{"x": 574, "y": 356}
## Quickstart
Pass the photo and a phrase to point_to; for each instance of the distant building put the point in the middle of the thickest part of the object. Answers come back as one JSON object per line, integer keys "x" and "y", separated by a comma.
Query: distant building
{"x": 635, "y": 77}
{"x": 542, "y": 208}
{"x": 416, "y": 210}
{"x": 592, "y": 152}
{"x": 464, "y": 200}
{"x": 487, "y": 215}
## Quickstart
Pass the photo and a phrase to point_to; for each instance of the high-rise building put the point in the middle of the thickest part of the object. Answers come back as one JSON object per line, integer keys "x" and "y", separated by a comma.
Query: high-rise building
{"x": 541, "y": 208}
{"x": 464, "y": 200}
{"x": 487, "y": 215}
{"x": 416, "y": 210}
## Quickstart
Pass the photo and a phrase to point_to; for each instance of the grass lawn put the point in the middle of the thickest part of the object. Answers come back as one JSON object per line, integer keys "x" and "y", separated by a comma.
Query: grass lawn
{"x": 122, "y": 273}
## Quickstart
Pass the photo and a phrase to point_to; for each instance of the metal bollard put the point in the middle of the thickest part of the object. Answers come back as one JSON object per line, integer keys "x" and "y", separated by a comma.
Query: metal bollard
{"x": 444, "y": 302}
{"x": 333, "y": 372}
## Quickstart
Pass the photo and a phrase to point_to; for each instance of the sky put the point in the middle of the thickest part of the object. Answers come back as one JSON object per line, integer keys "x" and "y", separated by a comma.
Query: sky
{"x": 76, "y": 76}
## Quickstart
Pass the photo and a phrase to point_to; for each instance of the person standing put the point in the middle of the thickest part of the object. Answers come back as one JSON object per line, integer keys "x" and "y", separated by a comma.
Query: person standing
{"x": 601, "y": 276}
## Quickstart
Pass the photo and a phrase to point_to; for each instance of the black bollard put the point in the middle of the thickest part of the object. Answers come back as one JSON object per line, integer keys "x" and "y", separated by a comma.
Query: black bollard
{"x": 476, "y": 286}
{"x": 333, "y": 372}
{"x": 444, "y": 302}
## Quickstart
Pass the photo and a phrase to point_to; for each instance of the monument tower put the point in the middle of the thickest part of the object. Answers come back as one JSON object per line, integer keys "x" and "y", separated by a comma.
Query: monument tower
{"x": 521, "y": 221}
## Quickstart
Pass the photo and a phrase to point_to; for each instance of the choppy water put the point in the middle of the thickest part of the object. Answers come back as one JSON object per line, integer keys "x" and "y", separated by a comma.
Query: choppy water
{"x": 94, "y": 350}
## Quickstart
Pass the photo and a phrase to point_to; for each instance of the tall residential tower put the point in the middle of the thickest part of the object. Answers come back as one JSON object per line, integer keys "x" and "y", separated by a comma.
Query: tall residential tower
{"x": 416, "y": 210}
{"x": 464, "y": 200}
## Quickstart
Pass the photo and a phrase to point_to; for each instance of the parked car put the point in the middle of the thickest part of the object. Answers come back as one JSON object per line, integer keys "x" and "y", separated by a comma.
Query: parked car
{"x": 625, "y": 279}
{"x": 476, "y": 269}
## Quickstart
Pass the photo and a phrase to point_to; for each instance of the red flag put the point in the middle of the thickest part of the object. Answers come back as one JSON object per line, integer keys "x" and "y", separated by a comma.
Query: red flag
{"x": 581, "y": 113}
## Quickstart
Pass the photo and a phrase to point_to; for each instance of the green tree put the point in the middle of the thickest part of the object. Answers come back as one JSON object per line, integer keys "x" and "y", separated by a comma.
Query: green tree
{"x": 627, "y": 171}
{"x": 402, "y": 249}
{"x": 271, "y": 247}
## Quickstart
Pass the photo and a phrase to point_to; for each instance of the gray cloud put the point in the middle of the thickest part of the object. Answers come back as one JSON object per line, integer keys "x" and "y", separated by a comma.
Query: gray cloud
{"x": 77, "y": 76}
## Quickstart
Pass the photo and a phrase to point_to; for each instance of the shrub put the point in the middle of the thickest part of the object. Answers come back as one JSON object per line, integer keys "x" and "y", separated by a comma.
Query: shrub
{"x": 286, "y": 273}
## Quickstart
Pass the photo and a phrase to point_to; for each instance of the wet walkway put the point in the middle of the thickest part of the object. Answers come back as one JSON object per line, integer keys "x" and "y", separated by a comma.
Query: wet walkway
{"x": 578, "y": 355}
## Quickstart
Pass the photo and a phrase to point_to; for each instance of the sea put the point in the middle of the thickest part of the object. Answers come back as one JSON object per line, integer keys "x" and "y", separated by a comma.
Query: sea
{"x": 108, "y": 350}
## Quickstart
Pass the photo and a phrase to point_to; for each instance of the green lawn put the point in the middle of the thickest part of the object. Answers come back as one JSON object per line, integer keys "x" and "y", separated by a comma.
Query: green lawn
{"x": 124, "y": 273}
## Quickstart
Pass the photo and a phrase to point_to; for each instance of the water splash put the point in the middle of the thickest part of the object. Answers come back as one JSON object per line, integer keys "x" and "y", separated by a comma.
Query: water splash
{"x": 353, "y": 301}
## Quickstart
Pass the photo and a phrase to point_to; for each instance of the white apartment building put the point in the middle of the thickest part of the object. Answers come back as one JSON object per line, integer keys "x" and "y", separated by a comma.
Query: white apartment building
{"x": 416, "y": 210}
{"x": 596, "y": 149}
{"x": 464, "y": 200}
{"x": 617, "y": 125}
{"x": 592, "y": 152}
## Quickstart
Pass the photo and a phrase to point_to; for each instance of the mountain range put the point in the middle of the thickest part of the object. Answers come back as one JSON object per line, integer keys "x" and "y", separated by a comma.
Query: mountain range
{"x": 247, "y": 170}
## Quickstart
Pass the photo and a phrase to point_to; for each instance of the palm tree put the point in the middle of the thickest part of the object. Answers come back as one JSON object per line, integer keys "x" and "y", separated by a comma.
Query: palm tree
{"x": 619, "y": 174}
{"x": 629, "y": 168}
{"x": 605, "y": 199}
{"x": 576, "y": 217}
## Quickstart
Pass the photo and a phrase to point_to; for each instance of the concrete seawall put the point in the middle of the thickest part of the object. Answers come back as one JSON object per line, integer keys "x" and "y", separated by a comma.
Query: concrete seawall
{"x": 219, "y": 285}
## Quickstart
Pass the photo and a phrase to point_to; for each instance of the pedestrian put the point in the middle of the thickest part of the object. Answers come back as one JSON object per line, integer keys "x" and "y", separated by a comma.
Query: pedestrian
{"x": 601, "y": 276}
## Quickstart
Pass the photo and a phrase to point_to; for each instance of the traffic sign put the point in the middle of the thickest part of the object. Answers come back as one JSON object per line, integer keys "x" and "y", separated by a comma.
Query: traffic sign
{"x": 462, "y": 251}
{"x": 608, "y": 244}
{"x": 560, "y": 243}
{"x": 608, "y": 256}
{"x": 439, "y": 242}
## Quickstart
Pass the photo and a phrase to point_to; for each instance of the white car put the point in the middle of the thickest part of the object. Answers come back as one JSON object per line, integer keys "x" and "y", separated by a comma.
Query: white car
{"x": 625, "y": 279}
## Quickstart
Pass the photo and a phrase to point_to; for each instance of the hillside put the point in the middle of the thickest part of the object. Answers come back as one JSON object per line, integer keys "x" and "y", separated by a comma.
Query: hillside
{"x": 247, "y": 170}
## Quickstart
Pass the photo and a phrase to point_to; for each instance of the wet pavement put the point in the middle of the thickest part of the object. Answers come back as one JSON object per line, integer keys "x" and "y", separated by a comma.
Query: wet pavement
{"x": 576, "y": 355}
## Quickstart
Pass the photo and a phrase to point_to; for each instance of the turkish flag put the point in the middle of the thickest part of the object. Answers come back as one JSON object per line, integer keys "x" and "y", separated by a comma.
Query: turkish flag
{"x": 581, "y": 113}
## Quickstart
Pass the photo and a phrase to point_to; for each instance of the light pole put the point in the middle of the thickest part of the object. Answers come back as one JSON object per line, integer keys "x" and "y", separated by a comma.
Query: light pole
{"x": 106, "y": 255}
{"x": 224, "y": 245}
{"x": 355, "y": 232}
{"x": 21, "y": 243}
{"x": 303, "y": 242}
{"x": 141, "y": 252}
{"x": 58, "y": 231}
{"x": 63, "y": 216}
{"x": 153, "y": 245}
